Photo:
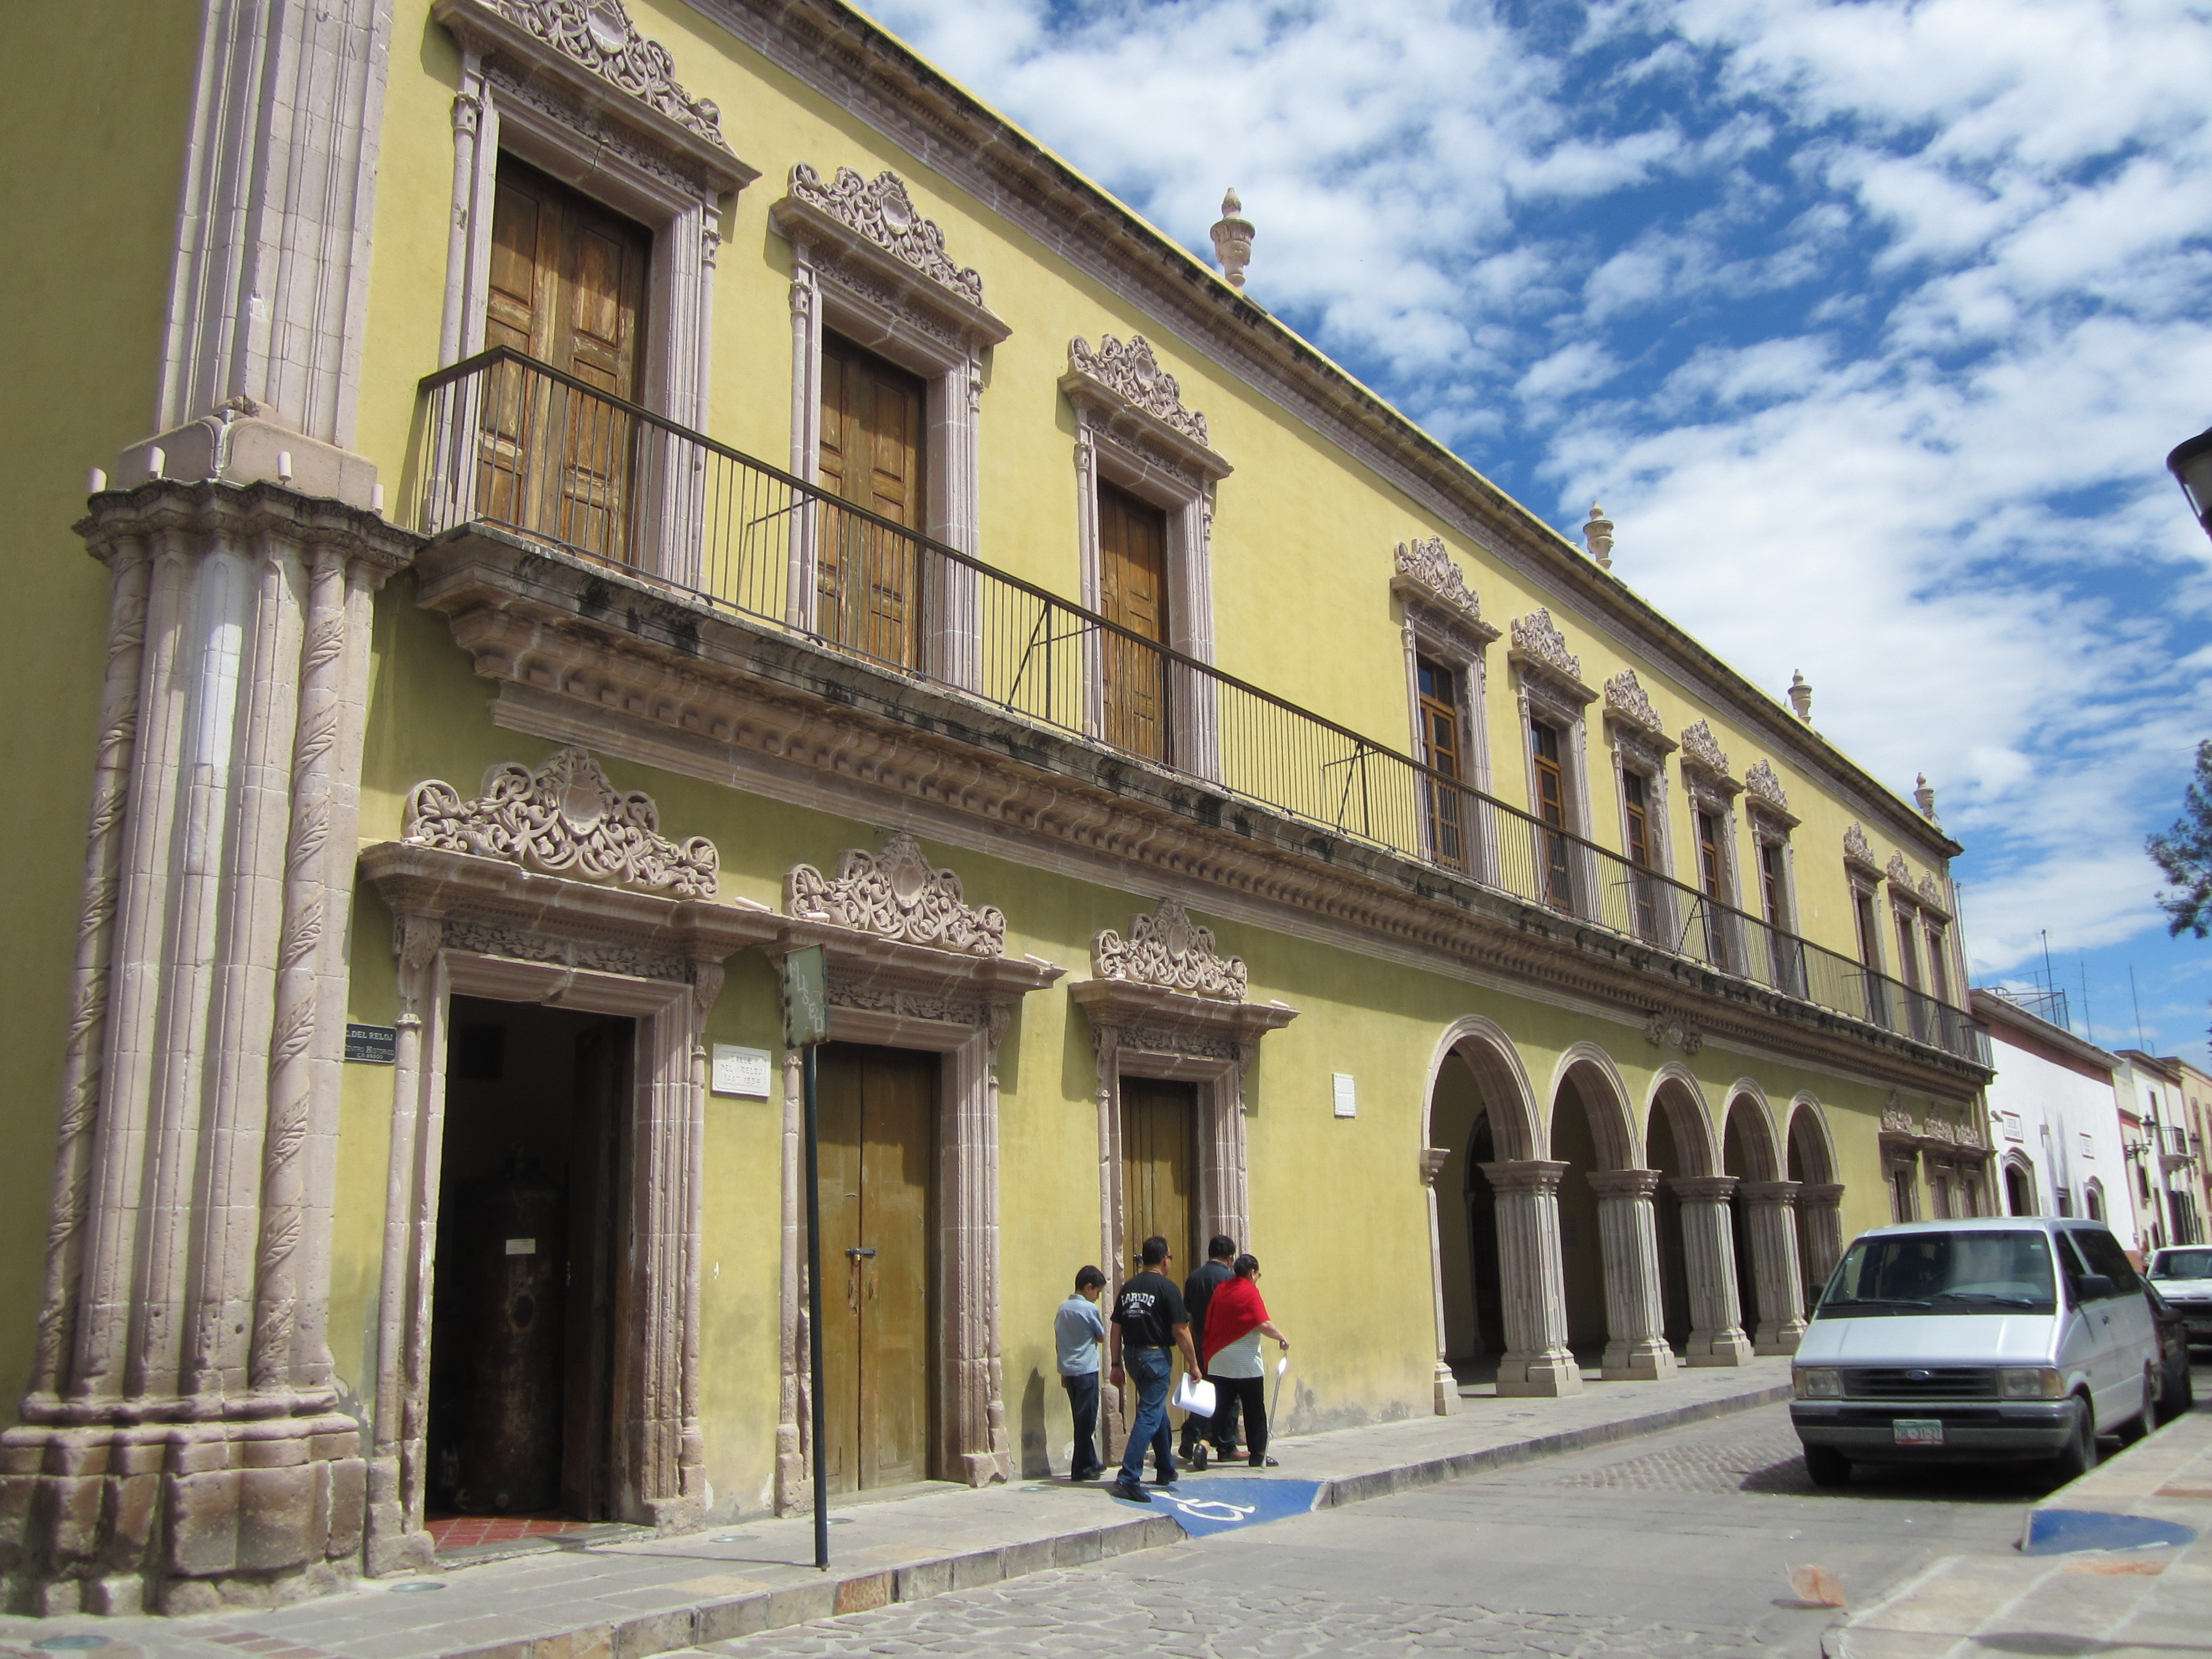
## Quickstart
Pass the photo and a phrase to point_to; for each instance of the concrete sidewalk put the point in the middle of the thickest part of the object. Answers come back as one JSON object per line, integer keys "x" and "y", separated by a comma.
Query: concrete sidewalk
{"x": 2117, "y": 1602}
{"x": 626, "y": 1596}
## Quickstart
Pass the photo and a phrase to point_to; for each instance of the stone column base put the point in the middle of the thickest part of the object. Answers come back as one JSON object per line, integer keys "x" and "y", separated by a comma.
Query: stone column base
{"x": 1447, "y": 1391}
{"x": 1549, "y": 1375}
{"x": 179, "y": 1517}
{"x": 1725, "y": 1348}
{"x": 1640, "y": 1362}
{"x": 1779, "y": 1338}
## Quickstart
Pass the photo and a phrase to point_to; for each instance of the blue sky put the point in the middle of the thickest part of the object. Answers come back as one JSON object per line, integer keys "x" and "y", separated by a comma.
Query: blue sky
{"x": 1870, "y": 324}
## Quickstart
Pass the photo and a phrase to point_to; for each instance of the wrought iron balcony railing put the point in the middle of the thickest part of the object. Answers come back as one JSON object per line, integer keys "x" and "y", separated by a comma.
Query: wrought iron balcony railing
{"x": 511, "y": 441}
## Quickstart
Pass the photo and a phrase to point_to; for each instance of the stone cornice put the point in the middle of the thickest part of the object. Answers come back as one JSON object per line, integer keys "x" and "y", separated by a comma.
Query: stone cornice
{"x": 678, "y": 687}
{"x": 1119, "y": 1002}
{"x": 241, "y": 515}
{"x": 873, "y": 76}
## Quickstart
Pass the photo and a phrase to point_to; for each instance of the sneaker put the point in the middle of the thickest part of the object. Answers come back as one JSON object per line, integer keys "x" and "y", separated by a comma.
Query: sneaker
{"x": 1125, "y": 1488}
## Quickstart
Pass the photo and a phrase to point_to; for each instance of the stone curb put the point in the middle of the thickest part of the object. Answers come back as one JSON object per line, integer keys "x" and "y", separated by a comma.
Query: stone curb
{"x": 799, "y": 1604}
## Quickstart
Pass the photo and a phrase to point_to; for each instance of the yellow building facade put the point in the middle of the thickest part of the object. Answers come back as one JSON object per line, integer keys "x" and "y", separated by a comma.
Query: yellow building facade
{"x": 636, "y": 489}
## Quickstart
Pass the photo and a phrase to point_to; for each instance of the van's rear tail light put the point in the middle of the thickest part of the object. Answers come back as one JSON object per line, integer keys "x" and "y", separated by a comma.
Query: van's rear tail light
{"x": 2019, "y": 1382}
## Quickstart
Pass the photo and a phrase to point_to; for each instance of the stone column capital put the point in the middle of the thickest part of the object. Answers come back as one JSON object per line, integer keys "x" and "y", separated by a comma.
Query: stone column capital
{"x": 1527, "y": 1175}
{"x": 1623, "y": 1184}
{"x": 1432, "y": 1161}
{"x": 1764, "y": 1193}
{"x": 1703, "y": 1189}
{"x": 1815, "y": 1195}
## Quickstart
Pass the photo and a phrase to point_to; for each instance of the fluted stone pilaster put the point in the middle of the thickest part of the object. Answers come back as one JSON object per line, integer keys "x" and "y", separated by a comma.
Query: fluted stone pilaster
{"x": 1532, "y": 1283}
{"x": 1636, "y": 1347}
{"x": 1717, "y": 1335}
{"x": 1774, "y": 1260}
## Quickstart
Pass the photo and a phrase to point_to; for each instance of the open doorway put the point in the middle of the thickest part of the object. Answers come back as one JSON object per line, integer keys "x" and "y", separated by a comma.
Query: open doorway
{"x": 525, "y": 1300}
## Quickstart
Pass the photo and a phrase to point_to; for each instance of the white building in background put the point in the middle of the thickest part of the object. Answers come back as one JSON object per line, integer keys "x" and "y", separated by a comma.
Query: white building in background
{"x": 2165, "y": 1149}
{"x": 2055, "y": 1122}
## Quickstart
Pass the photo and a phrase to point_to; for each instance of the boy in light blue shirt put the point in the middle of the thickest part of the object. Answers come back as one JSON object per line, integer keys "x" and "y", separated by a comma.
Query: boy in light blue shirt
{"x": 1079, "y": 1328}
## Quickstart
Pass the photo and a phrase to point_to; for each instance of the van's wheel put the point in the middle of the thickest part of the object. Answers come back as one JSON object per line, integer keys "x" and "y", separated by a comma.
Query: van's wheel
{"x": 2146, "y": 1420}
{"x": 2080, "y": 1455}
{"x": 1827, "y": 1466}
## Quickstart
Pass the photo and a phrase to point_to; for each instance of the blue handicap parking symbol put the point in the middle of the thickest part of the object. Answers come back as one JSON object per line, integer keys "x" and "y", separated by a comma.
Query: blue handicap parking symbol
{"x": 1223, "y": 1503}
{"x": 2062, "y": 1532}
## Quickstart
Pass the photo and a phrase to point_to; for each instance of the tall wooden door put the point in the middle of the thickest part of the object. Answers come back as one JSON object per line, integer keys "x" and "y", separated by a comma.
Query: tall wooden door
{"x": 1132, "y": 590}
{"x": 568, "y": 288}
{"x": 878, "y": 1112}
{"x": 1159, "y": 1168}
{"x": 874, "y": 455}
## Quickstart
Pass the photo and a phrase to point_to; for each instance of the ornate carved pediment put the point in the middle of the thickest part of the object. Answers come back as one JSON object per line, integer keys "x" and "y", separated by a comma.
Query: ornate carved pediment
{"x": 1895, "y": 1120}
{"x": 1168, "y": 948}
{"x": 894, "y": 894}
{"x": 1538, "y": 639}
{"x": 1762, "y": 783}
{"x": 1627, "y": 701}
{"x": 1424, "y": 563}
{"x": 597, "y": 37}
{"x": 1700, "y": 749}
{"x": 1900, "y": 876}
{"x": 880, "y": 211}
{"x": 1932, "y": 895}
{"x": 1129, "y": 371}
{"x": 1857, "y": 851}
{"x": 564, "y": 819}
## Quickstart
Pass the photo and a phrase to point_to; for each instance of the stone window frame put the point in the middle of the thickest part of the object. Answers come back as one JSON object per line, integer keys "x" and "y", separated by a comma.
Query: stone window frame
{"x": 1441, "y": 618}
{"x": 1637, "y": 739}
{"x": 865, "y": 265}
{"x": 471, "y": 925}
{"x": 653, "y": 155}
{"x": 1547, "y": 687}
{"x": 1133, "y": 431}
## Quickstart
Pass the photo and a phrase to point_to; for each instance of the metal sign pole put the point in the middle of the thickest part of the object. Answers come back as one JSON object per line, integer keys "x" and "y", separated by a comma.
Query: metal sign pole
{"x": 814, "y": 1306}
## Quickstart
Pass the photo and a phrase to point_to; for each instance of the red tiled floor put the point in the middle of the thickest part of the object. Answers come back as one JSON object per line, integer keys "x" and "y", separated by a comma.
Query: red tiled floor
{"x": 461, "y": 1532}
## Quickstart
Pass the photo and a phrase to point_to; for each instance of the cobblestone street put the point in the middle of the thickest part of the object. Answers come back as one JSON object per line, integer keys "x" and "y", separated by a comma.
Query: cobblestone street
{"x": 1676, "y": 1544}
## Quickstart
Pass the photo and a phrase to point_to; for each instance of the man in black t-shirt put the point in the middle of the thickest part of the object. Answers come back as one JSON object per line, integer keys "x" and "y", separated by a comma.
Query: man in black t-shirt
{"x": 1150, "y": 1322}
{"x": 1198, "y": 1290}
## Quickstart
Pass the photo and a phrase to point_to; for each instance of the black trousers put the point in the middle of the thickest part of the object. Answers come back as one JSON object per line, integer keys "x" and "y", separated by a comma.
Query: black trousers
{"x": 1219, "y": 1431}
{"x": 1250, "y": 1393}
{"x": 1083, "y": 1405}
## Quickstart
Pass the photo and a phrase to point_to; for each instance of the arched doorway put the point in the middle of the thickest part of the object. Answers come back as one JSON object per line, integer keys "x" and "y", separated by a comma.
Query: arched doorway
{"x": 1763, "y": 1226}
{"x": 1812, "y": 1168}
{"x": 1742, "y": 1142}
{"x": 1582, "y": 1253}
{"x": 2019, "y": 1187}
{"x": 1466, "y": 1226}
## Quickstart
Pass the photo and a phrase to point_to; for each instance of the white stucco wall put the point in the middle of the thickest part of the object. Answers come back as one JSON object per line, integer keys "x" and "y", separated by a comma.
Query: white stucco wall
{"x": 2067, "y": 1127}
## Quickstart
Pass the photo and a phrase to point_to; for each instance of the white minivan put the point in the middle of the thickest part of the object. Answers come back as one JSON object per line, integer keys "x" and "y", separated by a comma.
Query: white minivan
{"x": 2010, "y": 1339}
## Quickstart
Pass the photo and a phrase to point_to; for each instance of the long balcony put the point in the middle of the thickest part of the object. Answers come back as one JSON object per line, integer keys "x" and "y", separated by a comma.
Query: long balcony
{"x": 512, "y": 442}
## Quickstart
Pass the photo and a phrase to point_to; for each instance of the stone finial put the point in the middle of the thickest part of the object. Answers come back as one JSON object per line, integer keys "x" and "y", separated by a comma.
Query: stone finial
{"x": 1598, "y": 532}
{"x": 1923, "y": 795}
{"x": 1232, "y": 239}
{"x": 1800, "y": 696}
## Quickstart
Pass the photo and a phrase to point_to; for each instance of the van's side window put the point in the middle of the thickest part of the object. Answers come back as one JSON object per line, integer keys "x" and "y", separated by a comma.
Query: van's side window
{"x": 2105, "y": 1256}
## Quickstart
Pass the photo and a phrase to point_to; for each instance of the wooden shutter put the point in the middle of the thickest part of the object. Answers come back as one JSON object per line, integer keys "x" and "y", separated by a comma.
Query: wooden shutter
{"x": 874, "y": 454}
{"x": 1132, "y": 590}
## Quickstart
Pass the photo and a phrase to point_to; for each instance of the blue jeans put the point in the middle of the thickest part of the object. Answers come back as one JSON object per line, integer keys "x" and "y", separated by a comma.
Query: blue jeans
{"x": 1151, "y": 1367}
{"x": 1083, "y": 1405}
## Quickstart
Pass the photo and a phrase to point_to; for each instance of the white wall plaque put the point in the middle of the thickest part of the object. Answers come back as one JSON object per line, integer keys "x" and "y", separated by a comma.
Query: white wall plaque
{"x": 1348, "y": 1100}
{"x": 740, "y": 1071}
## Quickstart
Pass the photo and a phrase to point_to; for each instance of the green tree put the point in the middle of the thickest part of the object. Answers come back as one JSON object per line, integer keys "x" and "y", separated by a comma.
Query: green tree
{"x": 2183, "y": 854}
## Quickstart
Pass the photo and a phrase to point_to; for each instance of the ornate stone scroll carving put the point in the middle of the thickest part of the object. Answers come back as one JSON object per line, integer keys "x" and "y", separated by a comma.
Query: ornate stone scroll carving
{"x": 1129, "y": 370}
{"x": 1700, "y": 748}
{"x": 598, "y": 35}
{"x": 1899, "y": 874}
{"x": 894, "y": 894}
{"x": 1932, "y": 895}
{"x": 1762, "y": 782}
{"x": 1628, "y": 701}
{"x": 1895, "y": 1120}
{"x": 1424, "y": 562}
{"x": 1857, "y": 850}
{"x": 564, "y": 819}
{"x": 1667, "y": 1030}
{"x": 880, "y": 209}
{"x": 1538, "y": 636}
{"x": 1168, "y": 948}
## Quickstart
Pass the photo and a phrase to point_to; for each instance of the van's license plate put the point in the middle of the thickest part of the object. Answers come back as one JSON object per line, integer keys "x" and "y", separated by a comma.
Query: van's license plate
{"x": 1918, "y": 1431}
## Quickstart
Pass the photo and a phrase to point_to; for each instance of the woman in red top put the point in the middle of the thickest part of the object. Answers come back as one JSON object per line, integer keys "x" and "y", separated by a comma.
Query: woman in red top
{"x": 1236, "y": 1320}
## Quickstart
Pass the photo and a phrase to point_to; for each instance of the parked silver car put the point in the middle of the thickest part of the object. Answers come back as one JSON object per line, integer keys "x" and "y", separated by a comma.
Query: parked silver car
{"x": 2011, "y": 1339}
{"x": 2183, "y": 1274}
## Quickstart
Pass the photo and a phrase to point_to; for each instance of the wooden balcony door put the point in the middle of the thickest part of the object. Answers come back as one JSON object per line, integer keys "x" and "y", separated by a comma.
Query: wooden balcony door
{"x": 873, "y": 455}
{"x": 1441, "y": 749}
{"x": 878, "y": 1114}
{"x": 568, "y": 288}
{"x": 1132, "y": 590}
{"x": 1159, "y": 1169}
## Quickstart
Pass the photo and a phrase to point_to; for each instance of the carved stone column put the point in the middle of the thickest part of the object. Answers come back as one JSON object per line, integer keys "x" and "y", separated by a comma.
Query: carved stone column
{"x": 1774, "y": 1260}
{"x": 1717, "y": 1335}
{"x": 1819, "y": 1234}
{"x": 1532, "y": 1283}
{"x": 1636, "y": 1346}
{"x": 1446, "y": 1380}
{"x": 181, "y": 1442}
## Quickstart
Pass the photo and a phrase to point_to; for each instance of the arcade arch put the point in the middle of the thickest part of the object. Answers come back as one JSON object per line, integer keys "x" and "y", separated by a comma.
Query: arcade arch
{"x": 1763, "y": 1224}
